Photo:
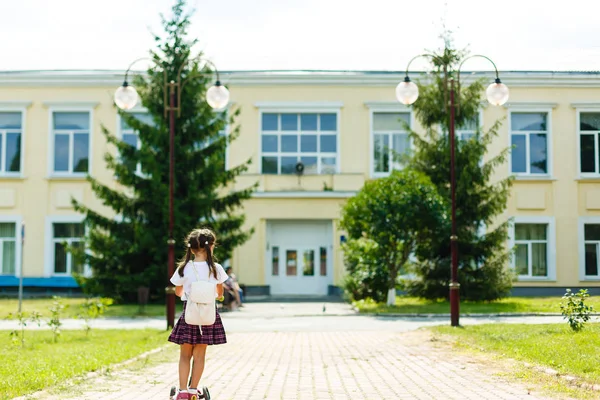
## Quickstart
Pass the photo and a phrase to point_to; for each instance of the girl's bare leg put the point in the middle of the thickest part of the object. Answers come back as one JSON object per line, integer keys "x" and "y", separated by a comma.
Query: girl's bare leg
{"x": 185, "y": 355}
{"x": 199, "y": 353}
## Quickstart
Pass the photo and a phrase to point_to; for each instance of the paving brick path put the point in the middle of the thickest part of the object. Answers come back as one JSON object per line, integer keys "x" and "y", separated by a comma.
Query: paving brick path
{"x": 314, "y": 365}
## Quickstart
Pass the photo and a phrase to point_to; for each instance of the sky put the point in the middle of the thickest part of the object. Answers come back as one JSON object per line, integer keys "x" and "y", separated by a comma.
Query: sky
{"x": 304, "y": 34}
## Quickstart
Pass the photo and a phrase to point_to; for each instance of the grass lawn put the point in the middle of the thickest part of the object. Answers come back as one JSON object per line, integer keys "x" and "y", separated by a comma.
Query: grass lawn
{"x": 408, "y": 305}
{"x": 554, "y": 346}
{"x": 43, "y": 364}
{"x": 116, "y": 310}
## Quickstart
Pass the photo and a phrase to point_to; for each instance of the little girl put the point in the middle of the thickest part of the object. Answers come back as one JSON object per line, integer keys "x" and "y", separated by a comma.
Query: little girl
{"x": 200, "y": 244}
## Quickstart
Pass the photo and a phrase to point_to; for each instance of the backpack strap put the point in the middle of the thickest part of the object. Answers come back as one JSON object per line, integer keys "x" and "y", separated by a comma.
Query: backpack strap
{"x": 195, "y": 273}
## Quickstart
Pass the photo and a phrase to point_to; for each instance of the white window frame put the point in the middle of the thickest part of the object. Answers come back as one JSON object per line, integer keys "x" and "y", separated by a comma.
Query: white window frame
{"x": 65, "y": 109}
{"x": 226, "y": 133}
{"x": 121, "y": 132}
{"x": 21, "y": 108}
{"x": 49, "y": 245}
{"x": 18, "y": 221}
{"x": 386, "y": 108}
{"x": 460, "y": 132}
{"x": 583, "y": 175}
{"x": 550, "y": 246}
{"x": 581, "y": 244}
{"x": 549, "y": 143}
{"x": 299, "y": 108}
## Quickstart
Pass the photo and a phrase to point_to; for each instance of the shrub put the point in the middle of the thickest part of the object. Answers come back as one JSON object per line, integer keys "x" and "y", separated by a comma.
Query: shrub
{"x": 574, "y": 309}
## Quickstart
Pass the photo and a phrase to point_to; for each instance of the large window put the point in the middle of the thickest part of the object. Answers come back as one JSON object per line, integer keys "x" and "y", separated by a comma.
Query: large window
{"x": 222, "y": 133}
{"x": 71, "y": 137}
{"x": 531, "y": 258}
{"x": 310, "y": 138}
{"x": 10, "y": 142}
{"x": 391, "y": 140}
{"x": 529, "y": 136}
{"x": 591, "y": 234}
{"x": 64, "y": 235}
{"x": 8, "y": 248}
{"x": 468, "y": 130}
{"x": 131, "y": 137}
{"x": 589, "y": 133}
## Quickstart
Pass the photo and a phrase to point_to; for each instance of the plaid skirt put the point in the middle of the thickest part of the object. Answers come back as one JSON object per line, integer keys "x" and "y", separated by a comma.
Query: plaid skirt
{"x": 190, "y": 334}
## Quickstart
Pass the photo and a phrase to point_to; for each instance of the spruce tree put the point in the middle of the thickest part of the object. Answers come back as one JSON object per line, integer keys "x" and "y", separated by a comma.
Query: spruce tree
{"x": 481, "y": 201}
{"x": 130, "y": 250}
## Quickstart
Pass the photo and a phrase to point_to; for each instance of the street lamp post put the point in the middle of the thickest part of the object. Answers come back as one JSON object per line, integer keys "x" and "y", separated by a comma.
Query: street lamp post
{"x": 126, "y": 97}
{"x": 497, "y": 93}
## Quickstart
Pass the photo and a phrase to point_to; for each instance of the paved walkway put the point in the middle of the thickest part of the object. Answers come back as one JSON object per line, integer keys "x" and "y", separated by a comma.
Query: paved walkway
{"x": 286, "y": 351}
{"x": 316, "y": 365}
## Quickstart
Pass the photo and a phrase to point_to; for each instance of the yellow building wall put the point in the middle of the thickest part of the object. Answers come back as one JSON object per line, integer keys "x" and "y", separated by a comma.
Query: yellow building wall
{"x": 563, "y": 196}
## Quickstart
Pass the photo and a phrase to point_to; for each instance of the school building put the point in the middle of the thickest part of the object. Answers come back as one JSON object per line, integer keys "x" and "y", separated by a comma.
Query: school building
{"x": 341, "y": 126}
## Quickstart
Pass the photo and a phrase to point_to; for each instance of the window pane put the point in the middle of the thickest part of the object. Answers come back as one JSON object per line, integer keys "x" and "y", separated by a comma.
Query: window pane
{"x": 309, "y": 263}
{"x": 275, "y": 261}
{"x": 538, "y": 154}
{"x": 528, "y": 121}
{"x": 310, "y": 165}
{"x": 467, "y": 136}
{"x": 400, "y": 145}
{"x": 328, "y": 122}
{"x": 328, "y": 143}
{"x": 308, "y": 143}
{"x": 323, "y": 260}
{"x": 9, "y": 257}
{"x": 291, "y": 263}
{"x": 288, "y": 165}
{"x": 10, "y": 120}
{"x": 519, "y": 155}
{"x": 390, "y": 121}
{"x": 269, "y": 144}
{"x": 589, "y": 121}
{"x": 13, "y": 152}
{"x": 539, "y": 266}
{"x": 270, "y": 122}
{"x": 289, "y": 143}
{"x": 470, "y": 125}
{"x": 61, "y": 153}
{"x": 68, "y": 230}
{"x": 130, "y": 139}
{"x": 60, "y": 258}
{"x": 530, "y": 231}
{"x": 145, "y": 118}
{"x": 289, "y": 122}
{"x": 80, "y": 152}
{"x": 521, "y": 259}
{"x": 328, "y": 165}
{"x": 72, "y": 120}
{"x": 588, "y": 153}
{"x": 308, "y": 122}
{"x": 592, "y": 232}
{"x": 76, "y": 265}
{"x": 591, "y": 259}
{"x": 269, "y": 165}
{"x": 8, "y": 230}
{"x": 381, "y": 156}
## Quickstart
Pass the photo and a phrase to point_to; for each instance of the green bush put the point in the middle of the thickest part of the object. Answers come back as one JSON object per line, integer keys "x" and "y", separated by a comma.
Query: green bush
{"x": 574, "y": 309}
{"x": 366, "y": 279}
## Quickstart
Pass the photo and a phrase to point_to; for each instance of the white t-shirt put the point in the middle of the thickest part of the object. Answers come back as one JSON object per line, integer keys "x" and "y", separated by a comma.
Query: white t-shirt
{"x": 202, "y": 272}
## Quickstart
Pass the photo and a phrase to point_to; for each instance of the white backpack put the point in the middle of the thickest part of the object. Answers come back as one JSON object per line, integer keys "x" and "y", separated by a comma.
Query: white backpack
{"x": 201, "y": 308}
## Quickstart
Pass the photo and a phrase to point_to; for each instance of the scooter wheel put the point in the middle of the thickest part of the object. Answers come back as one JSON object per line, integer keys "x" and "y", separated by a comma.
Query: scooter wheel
{"x": 205, "y": 393}
{"x": 173, "y": 391}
